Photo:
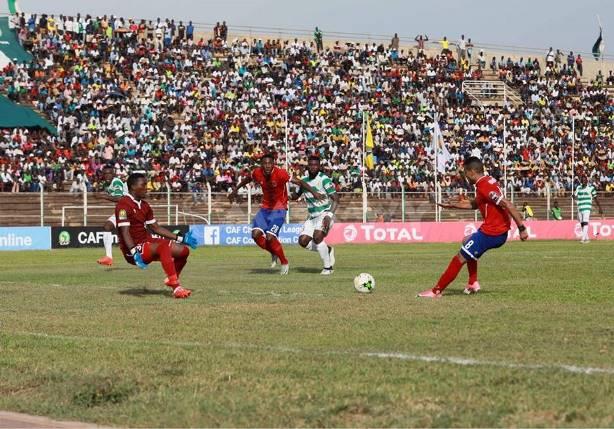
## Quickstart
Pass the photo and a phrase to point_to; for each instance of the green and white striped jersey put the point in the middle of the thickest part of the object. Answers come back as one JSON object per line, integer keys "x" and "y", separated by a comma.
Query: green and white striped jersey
{"x": 323, "y": 185}
{"x": 585, "y": 195}
{"x": 117, "y": 188}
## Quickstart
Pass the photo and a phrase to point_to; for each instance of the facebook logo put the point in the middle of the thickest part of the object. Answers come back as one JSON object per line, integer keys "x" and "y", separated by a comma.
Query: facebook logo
{"x": 212, "y": 235}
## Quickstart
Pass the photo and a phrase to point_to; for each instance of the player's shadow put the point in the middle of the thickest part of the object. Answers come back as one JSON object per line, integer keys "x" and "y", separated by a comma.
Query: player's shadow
{"x": 459, "y": 292}
{"x": 263, "y": 271}
{"x": 308, "y": 270}
{"x": 143, "y": 292}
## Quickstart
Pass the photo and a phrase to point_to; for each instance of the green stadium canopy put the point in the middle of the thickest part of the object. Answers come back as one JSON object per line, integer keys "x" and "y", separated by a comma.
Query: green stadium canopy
{"x": 13, "y": 115}
{"x": 10, "y": 49}
{"x": 9, "y": 7}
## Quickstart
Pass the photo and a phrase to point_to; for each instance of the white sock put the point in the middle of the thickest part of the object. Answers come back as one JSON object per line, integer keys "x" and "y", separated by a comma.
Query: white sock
{"x": 107, "y": 239}
{"x": 585, "y": 233}
{"x": 312, "y": 246}
{"x": 324, "y": 255}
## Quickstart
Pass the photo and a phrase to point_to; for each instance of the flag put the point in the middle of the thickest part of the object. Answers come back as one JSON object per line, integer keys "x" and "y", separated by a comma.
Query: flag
{"x": 369, "y": 162}
{"x": 369, "y": 138}
{"x": 439, "y": 148}
{"x": 369, "y": 145}
{"x": 598, "y": 46}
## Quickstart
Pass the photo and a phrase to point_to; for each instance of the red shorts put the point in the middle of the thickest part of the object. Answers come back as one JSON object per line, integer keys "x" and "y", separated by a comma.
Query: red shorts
{"x": 147, "y": 250}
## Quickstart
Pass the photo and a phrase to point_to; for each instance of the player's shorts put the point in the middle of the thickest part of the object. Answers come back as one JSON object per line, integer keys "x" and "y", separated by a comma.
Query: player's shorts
{"x": 478, "y": 243}
{"x": 113, "y": 220}
{"x": 584, "y": 216}
{"x": 146, "y": 251}
{"x": 315, "y": 224}
{"x": 269, "y": 221}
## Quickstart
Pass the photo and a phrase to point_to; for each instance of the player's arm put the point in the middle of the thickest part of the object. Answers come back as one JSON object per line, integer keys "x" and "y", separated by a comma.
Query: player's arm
{"x": 134, "y": 251}
{"x": 459, "y": 203}
{"x": 296, "y": 194}
{"x": 125, "y": 233}
{"x": 186, "y": 239}
{"x": 333, "y": 208}
{"x": 515, "y": 214}
{"x": 305, "y": 187}
{"x": 235, "y": 189}
{"x": 158, "y": 229}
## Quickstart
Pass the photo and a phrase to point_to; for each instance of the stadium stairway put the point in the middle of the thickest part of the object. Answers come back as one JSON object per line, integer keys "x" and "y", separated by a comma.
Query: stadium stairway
{"x": 491, "y": 91}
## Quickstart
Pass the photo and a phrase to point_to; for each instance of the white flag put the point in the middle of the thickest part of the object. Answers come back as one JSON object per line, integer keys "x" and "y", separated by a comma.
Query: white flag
{"x": 439, "y": 147}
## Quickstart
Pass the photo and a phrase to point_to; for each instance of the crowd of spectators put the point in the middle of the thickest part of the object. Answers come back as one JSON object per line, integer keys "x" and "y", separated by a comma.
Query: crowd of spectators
{"x": 154, "y": 97}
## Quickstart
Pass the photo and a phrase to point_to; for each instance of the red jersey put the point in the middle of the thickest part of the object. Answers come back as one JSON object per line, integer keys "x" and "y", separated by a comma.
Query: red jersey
{"x": 274, "y": 190}
{"x": 137, "y": 215}
{"x": 488, "y": 196}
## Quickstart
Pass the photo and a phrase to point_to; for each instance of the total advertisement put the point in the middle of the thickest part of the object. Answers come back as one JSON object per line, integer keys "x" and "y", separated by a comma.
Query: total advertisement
{"x": 445, "y": 232}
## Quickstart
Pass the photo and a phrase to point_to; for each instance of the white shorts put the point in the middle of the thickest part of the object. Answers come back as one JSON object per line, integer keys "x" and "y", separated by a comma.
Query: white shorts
{"x": 113, "y": 221}
{"x": 315, "y": 224}
{"x": 584, "y": 216}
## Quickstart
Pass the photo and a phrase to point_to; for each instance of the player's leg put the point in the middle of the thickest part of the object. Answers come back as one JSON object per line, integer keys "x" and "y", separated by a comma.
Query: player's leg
{"x": 584, "y": 218}
{"x": 161, "y": 250}
{"x": 180, "y": 254}
{"x": 477, "y": 244}
{"x": 305, "y": 239}
{"x": 275, "y": 221}
{"x": 259, "y": 226}
{"x": 107, "y": 239}
{"x": 453, "y": 268}
{"x": 472, "y": 267}
{"x": 327, "y": 253}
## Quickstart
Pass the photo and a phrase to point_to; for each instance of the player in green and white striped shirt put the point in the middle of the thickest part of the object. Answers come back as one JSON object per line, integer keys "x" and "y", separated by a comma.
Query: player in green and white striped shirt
{"x": 585, "y": 194}
{"x": 321, "y": 214}
{"x": 114, "y": 190}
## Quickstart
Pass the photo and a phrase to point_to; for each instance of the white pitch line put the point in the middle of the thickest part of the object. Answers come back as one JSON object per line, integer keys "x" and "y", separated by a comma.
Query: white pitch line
{"x": 575, "y": 369}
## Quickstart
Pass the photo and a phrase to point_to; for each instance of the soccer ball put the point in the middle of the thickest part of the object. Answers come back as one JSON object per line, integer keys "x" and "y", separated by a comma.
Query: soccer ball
{"x": 364, "y": 283}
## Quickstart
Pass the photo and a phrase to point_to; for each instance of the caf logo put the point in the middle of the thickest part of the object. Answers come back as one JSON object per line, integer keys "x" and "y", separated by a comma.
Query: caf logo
{"x": 64, "y": 238}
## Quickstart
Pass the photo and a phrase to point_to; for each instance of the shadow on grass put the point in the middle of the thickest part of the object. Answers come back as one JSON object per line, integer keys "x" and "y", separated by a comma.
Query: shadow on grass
{"x": 308, "y": 270}
{"x": 142, "y": 292}
{"x": 264, "y": 271}
{"x": 459, "y": 292}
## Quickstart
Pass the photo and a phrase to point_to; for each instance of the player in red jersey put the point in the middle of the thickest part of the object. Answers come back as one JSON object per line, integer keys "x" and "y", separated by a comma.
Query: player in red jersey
{"x": 135, "y": 220}
{"x": 272, "y": 214}
{"x": 496, "y": 212}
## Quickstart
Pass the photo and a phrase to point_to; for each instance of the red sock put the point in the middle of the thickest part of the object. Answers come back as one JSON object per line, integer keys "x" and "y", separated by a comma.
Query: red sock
{"x": 166, "y": 259}
{"x": 181, "y": 260}
{"x": 449, "y": 274}
{"x": 274, "y": 246}
{"x": 261, "y": 241}
{"x": 472, "y": 267}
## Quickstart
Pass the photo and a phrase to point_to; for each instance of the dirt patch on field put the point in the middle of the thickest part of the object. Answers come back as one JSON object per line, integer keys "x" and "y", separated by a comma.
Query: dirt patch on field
{"x": 18, "y": 420}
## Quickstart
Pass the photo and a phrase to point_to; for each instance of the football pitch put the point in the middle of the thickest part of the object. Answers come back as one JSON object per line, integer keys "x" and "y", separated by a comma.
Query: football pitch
{"x": 252, "y": 348}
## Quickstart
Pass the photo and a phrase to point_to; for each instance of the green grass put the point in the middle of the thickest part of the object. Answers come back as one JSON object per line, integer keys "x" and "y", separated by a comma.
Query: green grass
{"x": 251, "y": 348}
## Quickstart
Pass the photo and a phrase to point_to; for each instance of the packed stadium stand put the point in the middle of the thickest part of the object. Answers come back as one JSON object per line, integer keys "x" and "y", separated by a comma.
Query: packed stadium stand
{"x": 196, "y": 110}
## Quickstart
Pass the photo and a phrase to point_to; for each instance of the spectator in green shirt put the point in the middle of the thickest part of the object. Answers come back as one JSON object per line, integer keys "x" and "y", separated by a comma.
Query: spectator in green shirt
{"x": 555, "y": 211}
{"x": 317, "y": 36}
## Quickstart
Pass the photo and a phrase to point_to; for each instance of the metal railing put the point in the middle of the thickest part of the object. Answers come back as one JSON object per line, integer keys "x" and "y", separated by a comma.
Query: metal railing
{"x": 490, "y": 90}
{"x": 209, "y": 207}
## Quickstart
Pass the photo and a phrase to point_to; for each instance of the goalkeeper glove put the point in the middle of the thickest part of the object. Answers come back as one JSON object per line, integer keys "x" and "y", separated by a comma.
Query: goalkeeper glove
{"x": 188, "y": 240}
{"x": 138, "y": 258}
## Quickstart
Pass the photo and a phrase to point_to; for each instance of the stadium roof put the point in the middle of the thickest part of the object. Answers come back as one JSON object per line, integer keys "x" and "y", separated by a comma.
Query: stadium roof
{"x": 13, "y": 115}
{"x": 10, "y": 49}
{"x": 9, "y": 7}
